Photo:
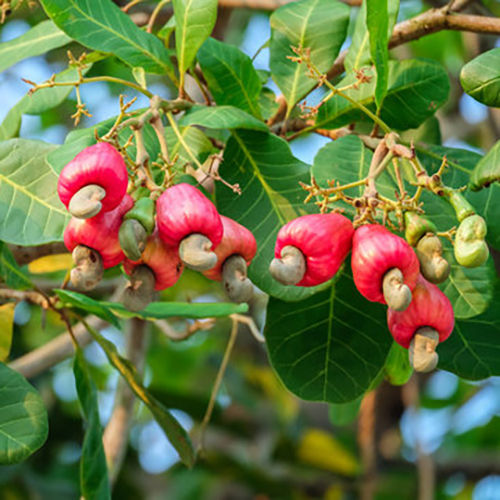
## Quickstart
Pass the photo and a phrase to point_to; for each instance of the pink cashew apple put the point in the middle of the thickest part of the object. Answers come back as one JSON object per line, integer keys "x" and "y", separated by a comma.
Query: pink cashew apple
{"x": 94, "y": 180}
{"x": 428, "y": 320}
{"x": 94, "y": 244}
{"x": 234, "y": 253}
{"x": 310, "y": 249}
{"x": 384, "y": 266}
{"x": 189, "y": 220}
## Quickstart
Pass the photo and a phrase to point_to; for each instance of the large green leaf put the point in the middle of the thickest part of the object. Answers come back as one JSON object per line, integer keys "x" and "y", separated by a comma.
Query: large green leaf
{"x": 173, "y": 430}
{"x": 358, "y": 55}
{"x": 156, "y": 310}
{"x": 268, "y": 174}
{"x": 23, "y": 418}
{"x": 331, "y": 346}
{"x": 194, "y": 21}
{"x": 30, "y": 210}
{"x": 230, "y": 75}
{"x": 94, "y": 482}
{"x": 473, "y": 349}
{"x": 416, "y": 89}
{"x": 480, "y": 78}
{"x": 103, "y": 26}
{"x": 221, "y": 117}
{"x": 377, "y": 21}
{"x": 487, "y": 169}
{"x": 38, "y": 40}
{"x": 10, "y": 273}
{"x": 318, "y": 25}
{"x": 40, "y": 101}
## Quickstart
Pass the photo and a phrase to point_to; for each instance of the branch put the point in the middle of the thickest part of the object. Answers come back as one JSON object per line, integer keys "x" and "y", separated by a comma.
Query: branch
{"x": 115, "y": 437}
{"x": 25, "y": 255}
{"x": 30, "y": 295}
{"x": 429, "y": 22}
{"x": 35, "y": 362}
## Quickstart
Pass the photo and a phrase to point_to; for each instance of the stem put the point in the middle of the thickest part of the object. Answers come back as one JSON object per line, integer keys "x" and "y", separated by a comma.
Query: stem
{"x": 155, "y": 13}
{"x": 93, "y": 79}
{"x": 178, "y": 134}
{"x": 218, "y": 382}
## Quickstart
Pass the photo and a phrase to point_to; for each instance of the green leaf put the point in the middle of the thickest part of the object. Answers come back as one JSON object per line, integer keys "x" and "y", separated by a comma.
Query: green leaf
{"x": 377, "y": 21}
{"x": 92, "y": 306}
{"x": 6, "y": 329}
{"x": 230, "y": 75}
{"x": 221, "y": 117}
{"x": 38, "y": 40}
{"x": 30, "y": 210}
{"x": 397, "y": 365}
{"x": 94, "y": 482}
{"x": 416, "y": 89}
{"x": 331, "y": 346}
{"x": 487, "y": 169}
{"x": 318, "y": 25}
{"x": 269, "y": 176}
{"x": 359, "y": 55}
{"x": 155, "y": 310}
{"x": 195, "y": 20}
{"x": 10, "y": 273}
{"x": 344, "y": 413}
{"x": 23, "y": 418}
{"x": 473, "y": 349}
{"x": 40, "y": 101}
{"x": 103, "y": 26}
{"x": 480, "y": 78}
{"x": 175, "y": 433}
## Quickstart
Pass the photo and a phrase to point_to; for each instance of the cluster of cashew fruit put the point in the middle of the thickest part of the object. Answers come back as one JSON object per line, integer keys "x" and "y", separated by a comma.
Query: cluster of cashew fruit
{"x": 386, "y": 268}
{"x": 153, "y": 239}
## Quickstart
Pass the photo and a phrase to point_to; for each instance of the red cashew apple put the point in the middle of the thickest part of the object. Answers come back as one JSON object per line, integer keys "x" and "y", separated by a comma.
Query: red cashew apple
{"x": 158, "y": 268}
{"x": 310, "y": 249}
{"x": 384, "y": 266}
{"x": 95, "y": 245}
{"x": 189, "y": 220}
{"x": 234, "y": 253}
{"x": 94, "y": 180}
{"x": 428, "y": 320}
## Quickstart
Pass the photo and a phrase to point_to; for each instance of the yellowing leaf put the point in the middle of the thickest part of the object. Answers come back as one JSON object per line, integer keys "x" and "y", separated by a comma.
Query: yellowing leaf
{"x": 51, "y": 263}
{"x": 265, "y": 378}
{"x": 334, "y": 492}
{"x": 6, "y": 328}
{"x": 322, "y": 450}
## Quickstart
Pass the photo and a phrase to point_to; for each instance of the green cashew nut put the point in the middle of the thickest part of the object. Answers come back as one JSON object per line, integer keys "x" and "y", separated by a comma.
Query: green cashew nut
{"x": 470, "y": 248}
{"x": 133, "y": 238}
{"x": 462, "y": 207}
{"x": 433, "y": 266}
{"x": 417, "y": 226}
{"x": 144, "y": 212}
{"x": 138, "y": 224}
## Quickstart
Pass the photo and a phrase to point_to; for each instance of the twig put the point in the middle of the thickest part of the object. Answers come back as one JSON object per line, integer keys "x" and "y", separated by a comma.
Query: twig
{"x": 189, "y": 331}
{"x": 25, "y": 255}
{"x": 217, "y": 383}
{"x": 29, "y": 295}
{"x": 155, "y": 13}
{"x": 115, "y": 437}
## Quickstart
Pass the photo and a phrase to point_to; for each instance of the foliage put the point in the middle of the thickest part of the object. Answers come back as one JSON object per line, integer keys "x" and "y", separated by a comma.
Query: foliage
{"x": 224, "y": 130}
